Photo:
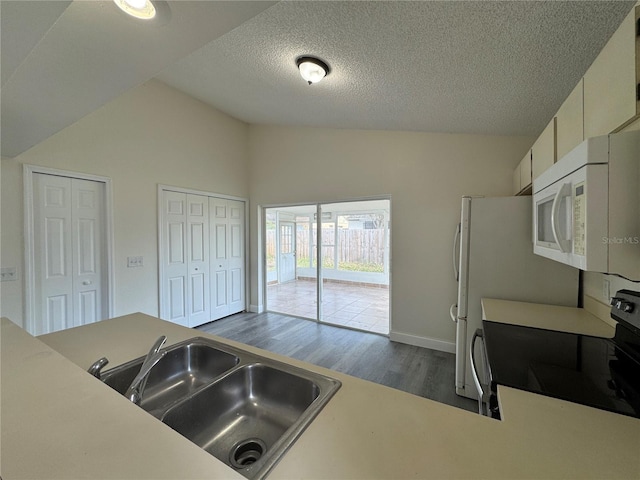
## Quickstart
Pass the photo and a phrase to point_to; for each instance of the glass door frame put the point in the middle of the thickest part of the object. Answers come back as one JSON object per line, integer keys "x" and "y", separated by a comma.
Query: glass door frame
{"x": 318, "y": 253}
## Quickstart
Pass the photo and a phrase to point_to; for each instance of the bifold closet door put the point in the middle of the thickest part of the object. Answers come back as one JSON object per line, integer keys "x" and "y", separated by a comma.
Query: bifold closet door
{"x": 227, "y": 259}
{"x": 69, "y": 252}
{"x": 186, "y": 258}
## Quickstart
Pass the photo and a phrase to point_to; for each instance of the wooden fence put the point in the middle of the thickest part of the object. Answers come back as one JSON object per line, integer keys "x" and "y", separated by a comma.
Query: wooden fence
{"x": 354, "y": 246}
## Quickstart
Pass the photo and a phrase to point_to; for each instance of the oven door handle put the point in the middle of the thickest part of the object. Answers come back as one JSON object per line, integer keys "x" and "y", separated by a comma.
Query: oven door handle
{"x": 474, "y": 371}
{"x": 565, "y": 191}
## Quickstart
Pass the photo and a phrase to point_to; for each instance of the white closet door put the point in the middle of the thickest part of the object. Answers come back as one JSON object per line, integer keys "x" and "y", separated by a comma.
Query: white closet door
{"x": 88, "y": 246}
{"x": 198, "y": 259}
{"x": 53, "y": 254}
{"x": 68, "y": 216}
{"x": 174, "y": 300}
{"x": 236, "y": 257}
{"x": 219, "y": 258}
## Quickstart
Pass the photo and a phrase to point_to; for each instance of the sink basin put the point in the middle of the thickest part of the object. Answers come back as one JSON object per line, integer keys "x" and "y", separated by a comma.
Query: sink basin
{"x": 241, "y": 418}
{"x": 187, "y": 367}
{"x": 243, "y": 408}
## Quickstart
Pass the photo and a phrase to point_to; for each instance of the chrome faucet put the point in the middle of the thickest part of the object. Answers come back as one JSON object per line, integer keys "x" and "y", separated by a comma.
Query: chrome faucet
{"x": 136, "y": 389}
{"x": 97, "y": 366}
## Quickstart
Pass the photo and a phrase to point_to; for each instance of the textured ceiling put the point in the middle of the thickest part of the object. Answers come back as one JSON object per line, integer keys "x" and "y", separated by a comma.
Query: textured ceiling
{"x": 62, "y": 60}
{"x": 472, "y": 67}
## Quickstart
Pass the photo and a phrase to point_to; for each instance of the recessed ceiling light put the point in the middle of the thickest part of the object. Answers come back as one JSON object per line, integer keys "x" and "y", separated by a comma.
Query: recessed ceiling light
{"x": 312, "y": 69}
{"x": 142, "y": 9}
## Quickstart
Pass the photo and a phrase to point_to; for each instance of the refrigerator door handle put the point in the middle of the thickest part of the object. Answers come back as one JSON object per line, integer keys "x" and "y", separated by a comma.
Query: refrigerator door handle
{"x": 456, "y": 252}
{"x": 453, "y": 312}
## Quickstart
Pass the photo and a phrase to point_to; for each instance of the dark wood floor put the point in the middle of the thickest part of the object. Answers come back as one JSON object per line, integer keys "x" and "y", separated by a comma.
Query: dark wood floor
{"x": 421, "y": 371}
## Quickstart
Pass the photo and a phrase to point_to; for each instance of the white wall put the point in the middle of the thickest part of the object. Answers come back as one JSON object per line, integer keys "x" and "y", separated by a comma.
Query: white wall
{"x": 11, "y": 241}
{"x": 152, "y": 134}
{"x": 426, "y": 175}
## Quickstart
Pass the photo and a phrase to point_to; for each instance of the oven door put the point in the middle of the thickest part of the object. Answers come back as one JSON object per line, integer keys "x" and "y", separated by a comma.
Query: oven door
{"x": 487, "y": 400}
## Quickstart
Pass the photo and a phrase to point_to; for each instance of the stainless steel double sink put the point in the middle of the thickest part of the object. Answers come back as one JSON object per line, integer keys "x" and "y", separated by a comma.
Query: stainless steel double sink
{"x": 242, "y": 408}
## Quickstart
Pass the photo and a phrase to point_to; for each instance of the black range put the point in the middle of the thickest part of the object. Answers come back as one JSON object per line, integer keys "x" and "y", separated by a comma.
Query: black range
{"x": 599, "y": 372}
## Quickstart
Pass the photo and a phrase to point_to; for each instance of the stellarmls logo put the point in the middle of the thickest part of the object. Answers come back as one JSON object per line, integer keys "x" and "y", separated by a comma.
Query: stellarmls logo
{"x": 621, "y": 240}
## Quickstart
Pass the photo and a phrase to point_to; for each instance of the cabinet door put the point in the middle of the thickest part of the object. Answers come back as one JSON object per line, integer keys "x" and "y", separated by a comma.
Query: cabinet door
{"x": 543, "y": 152}
{"x": 570, "y": 122}
{"x": 525, "y": 171}
{"x": 516, "y": 179}
{"x": 522, "y": 176}
{"x": 610, "y": 84}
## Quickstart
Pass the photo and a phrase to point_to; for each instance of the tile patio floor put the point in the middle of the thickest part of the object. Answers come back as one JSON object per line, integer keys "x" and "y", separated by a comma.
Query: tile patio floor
{"x": 350, "y": 305}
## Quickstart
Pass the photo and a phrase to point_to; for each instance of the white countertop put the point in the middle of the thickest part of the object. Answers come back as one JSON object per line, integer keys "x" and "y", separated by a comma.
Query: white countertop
{"x": 547, "y": 317}
{"x": 59, "y": 422}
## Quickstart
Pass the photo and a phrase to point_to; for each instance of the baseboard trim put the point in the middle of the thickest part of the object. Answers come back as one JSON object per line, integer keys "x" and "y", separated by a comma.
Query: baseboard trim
{"x": 425, "y": 342}
{"x": 256, "y": 308}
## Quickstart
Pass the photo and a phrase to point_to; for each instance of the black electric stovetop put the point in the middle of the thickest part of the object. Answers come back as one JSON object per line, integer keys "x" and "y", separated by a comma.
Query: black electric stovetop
{"x": 599, "y": 372}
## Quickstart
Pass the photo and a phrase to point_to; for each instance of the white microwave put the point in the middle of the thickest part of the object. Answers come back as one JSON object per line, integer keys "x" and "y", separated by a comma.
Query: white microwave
{"x": 586, "y": 207}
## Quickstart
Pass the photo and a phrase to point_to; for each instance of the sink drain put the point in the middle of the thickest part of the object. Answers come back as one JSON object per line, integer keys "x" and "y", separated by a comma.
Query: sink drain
{"x": 247, "y": 452}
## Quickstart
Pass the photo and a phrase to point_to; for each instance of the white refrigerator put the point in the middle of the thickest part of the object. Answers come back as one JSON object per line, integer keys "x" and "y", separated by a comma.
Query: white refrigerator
{"x": 493, "y": 257}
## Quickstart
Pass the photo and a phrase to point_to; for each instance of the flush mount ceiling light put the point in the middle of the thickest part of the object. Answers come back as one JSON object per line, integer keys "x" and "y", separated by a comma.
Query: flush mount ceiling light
{"x": 312, "y": 69}
{"x": 142, "y": 9}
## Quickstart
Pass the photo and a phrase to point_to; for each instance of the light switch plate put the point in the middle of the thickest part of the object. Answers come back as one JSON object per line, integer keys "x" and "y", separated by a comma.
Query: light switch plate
{"x": 133, "y": 262}
{"x": 8, "y": 274}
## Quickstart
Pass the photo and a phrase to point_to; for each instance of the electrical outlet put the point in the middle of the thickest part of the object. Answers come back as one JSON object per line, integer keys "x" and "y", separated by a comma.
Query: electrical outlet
{"x": 606, "y": 289}
{"x": 8, "y": 274}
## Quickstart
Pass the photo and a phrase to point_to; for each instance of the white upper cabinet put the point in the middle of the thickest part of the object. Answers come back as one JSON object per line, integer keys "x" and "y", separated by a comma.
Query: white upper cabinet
{"x": 525, "y": 172}
{"x": 516, "y": 179}
{"x": 570, "y": 122}
{"x": 606, "y": 100}
{"x": 611, "y": 83}
{"x": 522, "y": 176}
{"x": 543, "y": 152}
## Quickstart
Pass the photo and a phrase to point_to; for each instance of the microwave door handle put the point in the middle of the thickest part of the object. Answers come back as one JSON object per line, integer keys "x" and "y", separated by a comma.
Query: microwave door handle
{"x": 565, "y": 191}
{"x": 456, "y": 253}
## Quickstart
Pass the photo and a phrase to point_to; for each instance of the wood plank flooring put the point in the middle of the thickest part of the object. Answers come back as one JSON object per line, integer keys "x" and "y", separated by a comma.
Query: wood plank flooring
{"x": 421, "y": 371}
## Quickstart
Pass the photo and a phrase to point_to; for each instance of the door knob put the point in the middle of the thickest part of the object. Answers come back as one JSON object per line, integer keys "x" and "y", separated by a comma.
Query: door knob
{"x": 87, "y": 282}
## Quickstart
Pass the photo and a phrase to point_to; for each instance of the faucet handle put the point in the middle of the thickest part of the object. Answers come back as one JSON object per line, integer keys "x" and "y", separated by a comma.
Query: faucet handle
{"x": 97, "y": 366}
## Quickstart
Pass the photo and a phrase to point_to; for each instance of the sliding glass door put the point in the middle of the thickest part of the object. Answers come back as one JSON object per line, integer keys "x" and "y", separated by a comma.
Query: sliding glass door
{"x": 342, "y": 266}
{"x": 291, "y": 279}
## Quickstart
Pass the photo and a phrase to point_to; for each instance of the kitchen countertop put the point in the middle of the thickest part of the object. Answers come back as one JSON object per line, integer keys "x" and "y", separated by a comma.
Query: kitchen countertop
{"x": 59, "y": 422}
{"x": 547, "y": 317}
